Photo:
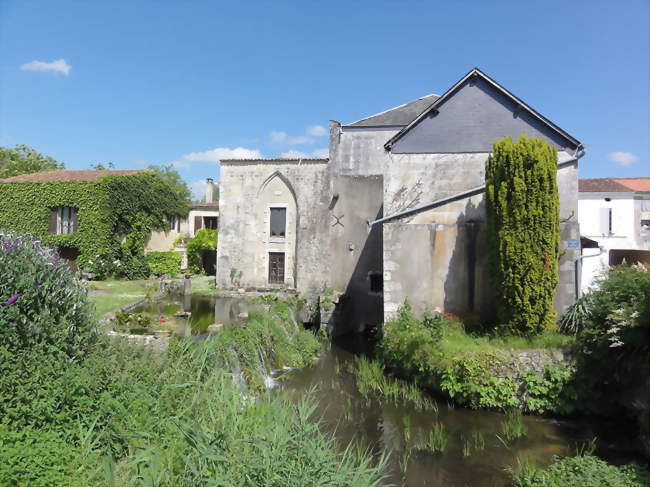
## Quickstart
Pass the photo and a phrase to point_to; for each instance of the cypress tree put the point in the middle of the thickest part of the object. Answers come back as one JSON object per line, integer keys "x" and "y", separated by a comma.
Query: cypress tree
{"x": 523, "y": 227}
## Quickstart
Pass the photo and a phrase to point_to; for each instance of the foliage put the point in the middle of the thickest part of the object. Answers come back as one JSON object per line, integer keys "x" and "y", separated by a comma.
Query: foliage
{"x": 205, "y": 239}
{"x": 41, "y": 302}
{"x": 164, "y": 263}
{"x": 475, "y": 371}
{"x": 22, "y": 159}
{"x": 38, "y": 459}
{"x": 522, "y": 207}
{"x": 131, "y": 322}
{"x": 580, "y": 471}
{"x": 116, "y": 215}
{"x": 133, "y": 416}
{"x": 174, "y": 180}
{"x": 575, "y": 318}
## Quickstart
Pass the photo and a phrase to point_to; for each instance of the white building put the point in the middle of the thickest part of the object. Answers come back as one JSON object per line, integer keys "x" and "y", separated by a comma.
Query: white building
{"x": 615, "y": 213}
{"x": 202, "y": 214}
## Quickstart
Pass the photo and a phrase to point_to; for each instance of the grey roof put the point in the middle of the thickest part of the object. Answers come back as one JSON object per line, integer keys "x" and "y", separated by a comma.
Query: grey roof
{"x": 398, "y": 116}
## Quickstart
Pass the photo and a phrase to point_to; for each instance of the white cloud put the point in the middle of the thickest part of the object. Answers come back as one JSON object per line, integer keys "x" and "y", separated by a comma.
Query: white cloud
{"x": 183, "y": 164}
{"x": 300, "y": 140}
{"x": 623, "y": 158}
{"x": 296, "y": 154}
{"x": 316, "y": 130}
{"x": 57, "y": 66}
{"x": 215, "y": 155}
{"x": 277, "y": 136}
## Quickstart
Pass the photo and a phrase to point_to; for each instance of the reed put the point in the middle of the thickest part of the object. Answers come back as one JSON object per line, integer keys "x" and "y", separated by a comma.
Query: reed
{"x": 513, "y": 426}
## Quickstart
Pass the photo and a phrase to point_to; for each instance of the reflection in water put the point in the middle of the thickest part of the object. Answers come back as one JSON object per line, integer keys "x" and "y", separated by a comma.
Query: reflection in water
{"x": 402, "y": 430}
{"x": 204, "y": 311}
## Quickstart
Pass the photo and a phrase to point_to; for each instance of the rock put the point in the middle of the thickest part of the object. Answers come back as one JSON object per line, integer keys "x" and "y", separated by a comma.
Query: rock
{"x": 215, "y": 327}
{"x": 243, "y": 314}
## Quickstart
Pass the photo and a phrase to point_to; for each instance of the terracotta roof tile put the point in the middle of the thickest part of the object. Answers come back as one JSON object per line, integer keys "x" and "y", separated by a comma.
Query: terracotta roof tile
{"x": 614, "y": 185}
{"x": 66, "y": 175}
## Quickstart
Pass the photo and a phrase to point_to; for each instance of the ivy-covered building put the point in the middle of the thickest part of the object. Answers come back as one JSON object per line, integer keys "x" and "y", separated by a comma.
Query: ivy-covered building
{"x": 99, "y": 220}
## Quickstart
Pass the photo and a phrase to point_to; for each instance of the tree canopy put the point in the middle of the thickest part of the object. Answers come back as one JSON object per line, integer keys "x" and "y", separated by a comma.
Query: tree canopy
{"x": 171, "y": 176}
{"x": 22, "y": 159}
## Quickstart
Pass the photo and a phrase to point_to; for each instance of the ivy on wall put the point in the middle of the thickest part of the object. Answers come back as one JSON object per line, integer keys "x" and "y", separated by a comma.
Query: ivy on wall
{"x": 523, "y": 220}
{"x": 115, "y": 216}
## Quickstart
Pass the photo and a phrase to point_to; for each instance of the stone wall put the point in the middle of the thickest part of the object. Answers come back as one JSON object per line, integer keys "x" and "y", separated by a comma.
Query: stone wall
{"x": 244, "y": 240}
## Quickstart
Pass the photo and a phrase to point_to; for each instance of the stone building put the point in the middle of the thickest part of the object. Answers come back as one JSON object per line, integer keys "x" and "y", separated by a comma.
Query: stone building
{"x": 395, "y": 213}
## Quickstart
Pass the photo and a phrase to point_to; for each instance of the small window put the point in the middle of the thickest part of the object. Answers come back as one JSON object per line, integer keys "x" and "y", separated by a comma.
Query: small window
{"x": 606, "y": 221}
{"x": 278, "y": 222}
{"x": 210, "y": 222}
{"x": 376, "y": 282}
{"x": 63, "y": 220}
{"x": 276, "y": 267}
{"x": 174, "y": 223}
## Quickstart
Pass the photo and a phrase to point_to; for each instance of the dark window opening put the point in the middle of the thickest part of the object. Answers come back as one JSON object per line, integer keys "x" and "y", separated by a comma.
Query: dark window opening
{"x": 63, "y": 220}
{"x": 278, "y": 222}
{"x": 276, "y": 267}
{"x": 376, "y": 282}
{"x": 210, "y": 222}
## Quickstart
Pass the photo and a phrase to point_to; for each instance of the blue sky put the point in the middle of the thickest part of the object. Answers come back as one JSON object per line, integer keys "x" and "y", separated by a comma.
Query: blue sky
{"x": 144, "y": 82}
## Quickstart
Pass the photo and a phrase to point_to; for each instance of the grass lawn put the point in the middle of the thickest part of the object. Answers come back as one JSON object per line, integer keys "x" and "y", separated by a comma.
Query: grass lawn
{"x": 110, "y": 295}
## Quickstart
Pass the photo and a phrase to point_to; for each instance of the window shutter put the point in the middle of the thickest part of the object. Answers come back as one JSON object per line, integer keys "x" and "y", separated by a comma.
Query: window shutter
{"x": 53, "y": 215}
{"x": 73, "y": 220}
{"x": 198, "y": 223}
{"x": 605, "y": 215}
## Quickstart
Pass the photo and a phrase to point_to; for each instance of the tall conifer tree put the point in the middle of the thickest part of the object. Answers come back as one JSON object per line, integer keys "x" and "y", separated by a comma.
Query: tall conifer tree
{"x": 523, "y": 220}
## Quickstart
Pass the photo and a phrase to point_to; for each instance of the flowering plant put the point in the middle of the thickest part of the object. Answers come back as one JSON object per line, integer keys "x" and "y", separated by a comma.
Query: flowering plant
{"x": 41, "y": 301}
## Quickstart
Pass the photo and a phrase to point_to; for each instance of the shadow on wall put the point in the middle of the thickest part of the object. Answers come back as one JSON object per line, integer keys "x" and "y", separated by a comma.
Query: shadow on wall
{"x": 361, "y": 307}
{"x": 467, "y": 288}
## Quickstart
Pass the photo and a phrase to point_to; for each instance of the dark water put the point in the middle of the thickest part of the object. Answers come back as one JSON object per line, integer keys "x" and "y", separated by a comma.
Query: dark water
{"x": 204, "y": 311}
{"x": 385, "y": 427}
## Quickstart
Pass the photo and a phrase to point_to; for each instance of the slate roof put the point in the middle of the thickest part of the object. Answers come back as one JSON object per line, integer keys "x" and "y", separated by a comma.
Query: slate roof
{"x": 614, "y": 185}
{"x": 477, "y": 72}
{"x": 67, "y": 175}
{"x": 399, "y": 116}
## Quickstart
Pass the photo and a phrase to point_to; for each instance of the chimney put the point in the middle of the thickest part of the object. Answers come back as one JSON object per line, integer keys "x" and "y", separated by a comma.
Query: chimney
{"x": 209, "y": 188}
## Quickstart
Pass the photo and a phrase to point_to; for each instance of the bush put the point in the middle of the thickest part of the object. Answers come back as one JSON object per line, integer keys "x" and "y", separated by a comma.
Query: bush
{"x": 523, "y": 225}
{"x": 580, "y": 471}
{"x": 164, "y": 263}
{"x": 41, "y": 301}
{"x": 204, "y": 240}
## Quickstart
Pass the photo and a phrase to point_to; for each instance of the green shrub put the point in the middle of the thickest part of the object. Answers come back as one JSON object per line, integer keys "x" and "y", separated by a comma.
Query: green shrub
{"x": 204, "y": 240}
{"x": 581, "y": 471}
{"x": 523, "y": 225}
{"x": 164, "y": 263}
{"x": 38, "y": 459}
{"x": 41, "y": 301}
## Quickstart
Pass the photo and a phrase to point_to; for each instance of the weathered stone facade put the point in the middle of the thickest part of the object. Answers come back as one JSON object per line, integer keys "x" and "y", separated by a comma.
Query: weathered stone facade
{"x": 395, "y": 161}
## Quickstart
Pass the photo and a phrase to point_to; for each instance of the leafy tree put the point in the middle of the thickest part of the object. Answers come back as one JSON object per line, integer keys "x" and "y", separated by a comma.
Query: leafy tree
{"x": 523, "y": 223}
{"x": 101, "y": 167}
{"x": 22, "y": 159}
{"x": 171, "y": 176}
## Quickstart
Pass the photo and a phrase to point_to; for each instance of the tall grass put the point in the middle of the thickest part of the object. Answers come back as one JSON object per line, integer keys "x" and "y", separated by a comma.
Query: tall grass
{"x": 372, "y": 379}
{"x": 513, "y": 426}
{"x": 436, "y": 441}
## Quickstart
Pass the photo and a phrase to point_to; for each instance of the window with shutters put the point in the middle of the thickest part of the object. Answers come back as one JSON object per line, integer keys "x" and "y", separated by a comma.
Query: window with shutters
{"x": 63, "y": 220}
{"x": 278, "y": 222}
{"x": 276, "y": 267}
{"x": 606, "y": 221}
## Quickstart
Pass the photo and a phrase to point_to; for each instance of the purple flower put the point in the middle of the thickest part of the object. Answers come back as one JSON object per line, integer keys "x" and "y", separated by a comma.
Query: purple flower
{"x": 12, "y": 300}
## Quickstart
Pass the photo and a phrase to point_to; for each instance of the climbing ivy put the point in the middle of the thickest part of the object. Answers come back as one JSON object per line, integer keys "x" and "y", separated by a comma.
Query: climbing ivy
{"x": 115, "y": 216}
{"x": 523, "y": 224}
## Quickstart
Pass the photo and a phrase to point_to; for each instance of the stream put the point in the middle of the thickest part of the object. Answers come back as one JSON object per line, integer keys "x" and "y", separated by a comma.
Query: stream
{"x": 401, "y": 428}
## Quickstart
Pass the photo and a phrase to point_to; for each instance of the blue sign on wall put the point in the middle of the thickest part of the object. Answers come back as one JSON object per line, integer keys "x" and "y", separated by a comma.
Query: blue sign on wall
{"x": 573, "y": 244}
